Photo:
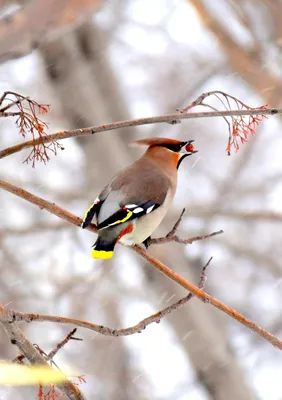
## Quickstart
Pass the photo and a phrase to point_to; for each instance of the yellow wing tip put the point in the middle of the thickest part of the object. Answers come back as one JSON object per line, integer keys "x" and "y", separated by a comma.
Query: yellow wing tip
{"x": 88, "y": 211}
{"x": 102, "y": 254}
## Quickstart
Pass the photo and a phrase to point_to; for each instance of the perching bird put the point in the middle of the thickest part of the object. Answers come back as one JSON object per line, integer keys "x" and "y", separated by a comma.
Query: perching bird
{"x": 134, "y": 203}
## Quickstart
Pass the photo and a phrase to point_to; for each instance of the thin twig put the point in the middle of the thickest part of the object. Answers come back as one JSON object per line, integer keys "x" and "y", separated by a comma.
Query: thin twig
{"x": 30, "y": 123}
{"x": 171, "y": 237}
{"x": 73, "y": 219}
{"x": 176, "y": 225}
{"x": 9, "y": 114}
{"x": 203, "y": 96}
{"x": 3, "y": 111}
{"x": 193, "y": 239}
{"x": 28, "y": 317}
{"x": 239, "y": 127}
{"x": 21, "y": 359}
{"x": 169, "y": 118}
{"x": 69, "y": 337}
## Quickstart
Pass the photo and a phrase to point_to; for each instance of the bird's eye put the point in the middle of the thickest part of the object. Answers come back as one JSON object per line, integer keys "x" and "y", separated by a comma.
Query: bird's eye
{"x": 190, "y": 148}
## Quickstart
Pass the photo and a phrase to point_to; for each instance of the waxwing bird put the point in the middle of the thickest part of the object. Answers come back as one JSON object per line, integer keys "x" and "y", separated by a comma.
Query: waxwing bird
{"x": 134, "y": 203}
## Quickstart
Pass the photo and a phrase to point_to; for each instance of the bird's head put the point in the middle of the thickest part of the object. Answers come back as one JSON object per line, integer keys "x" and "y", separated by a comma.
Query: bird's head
{"x": 183, "y": 149}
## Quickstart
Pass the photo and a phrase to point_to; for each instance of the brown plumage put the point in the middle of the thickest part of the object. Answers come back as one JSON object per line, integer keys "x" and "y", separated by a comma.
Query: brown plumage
{"x": 134, "y": 203}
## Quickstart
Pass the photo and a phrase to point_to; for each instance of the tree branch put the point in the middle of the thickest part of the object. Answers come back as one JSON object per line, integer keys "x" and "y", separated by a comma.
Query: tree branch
{"x": 44, "y": 204}
{"x": 61, "y": 213}
{"x": 61, "y": 344}
{"x": 169, "y": 118}
{"x": 171, "y": 237}
{"x": 209, "y": 299}
{"x": 32, "y": 355}
{"x": 103, "y": 330}
{"x": 48, "y": 357}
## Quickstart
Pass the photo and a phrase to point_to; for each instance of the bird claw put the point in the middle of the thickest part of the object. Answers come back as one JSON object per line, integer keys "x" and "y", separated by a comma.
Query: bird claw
{"x": 147, "y": 242}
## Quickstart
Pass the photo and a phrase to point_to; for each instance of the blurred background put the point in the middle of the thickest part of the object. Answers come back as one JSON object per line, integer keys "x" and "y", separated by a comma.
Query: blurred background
{"x": 103, "y": 61}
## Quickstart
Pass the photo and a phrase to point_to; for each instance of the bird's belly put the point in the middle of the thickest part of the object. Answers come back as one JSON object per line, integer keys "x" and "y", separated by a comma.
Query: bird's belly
{"x": 144, "y": 227}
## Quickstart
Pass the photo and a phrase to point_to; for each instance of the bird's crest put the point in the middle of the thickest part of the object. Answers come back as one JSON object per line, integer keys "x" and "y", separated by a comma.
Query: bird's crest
{"x": 156, "y": 141}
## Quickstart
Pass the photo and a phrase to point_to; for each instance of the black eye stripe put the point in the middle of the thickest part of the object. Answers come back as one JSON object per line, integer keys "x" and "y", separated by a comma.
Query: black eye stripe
{"x": 175, "y": 147}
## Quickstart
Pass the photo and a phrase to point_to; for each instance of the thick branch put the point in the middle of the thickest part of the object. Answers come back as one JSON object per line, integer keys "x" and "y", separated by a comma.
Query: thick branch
{"x": 54, "y": 209}
{"x": 44, "y": 204}
{"x": 169, "y": 118}
{"x": 209, "y": 299}
{"x": 32, "y": 355}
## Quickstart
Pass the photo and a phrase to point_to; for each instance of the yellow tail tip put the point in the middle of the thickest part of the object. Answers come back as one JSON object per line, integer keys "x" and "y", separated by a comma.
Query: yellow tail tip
{"x": 102, "y": 254}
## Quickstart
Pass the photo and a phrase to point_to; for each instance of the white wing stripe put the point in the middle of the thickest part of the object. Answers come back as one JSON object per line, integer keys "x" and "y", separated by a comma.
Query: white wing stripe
{"x": 149, "y": 209}
{"x": 131, "y": 205}
{"x": 138, "y": 210}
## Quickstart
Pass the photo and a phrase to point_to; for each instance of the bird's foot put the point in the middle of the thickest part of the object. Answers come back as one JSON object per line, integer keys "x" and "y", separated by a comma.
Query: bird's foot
{"x": 147, "y": 242}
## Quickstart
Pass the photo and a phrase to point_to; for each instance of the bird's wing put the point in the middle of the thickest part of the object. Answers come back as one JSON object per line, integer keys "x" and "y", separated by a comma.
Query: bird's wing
{"x": 131, "y": 194}
{"x": 129, "y": 212}
{"x": 95, "y": 207}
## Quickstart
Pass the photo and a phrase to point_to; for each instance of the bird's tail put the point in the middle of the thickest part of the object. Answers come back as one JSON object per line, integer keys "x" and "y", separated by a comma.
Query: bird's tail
{"x": 103, "y": 248}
